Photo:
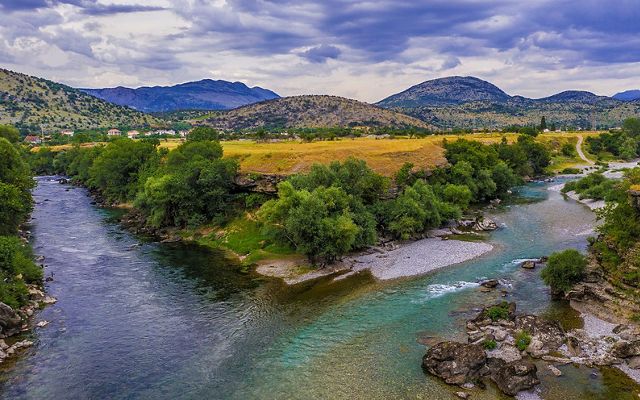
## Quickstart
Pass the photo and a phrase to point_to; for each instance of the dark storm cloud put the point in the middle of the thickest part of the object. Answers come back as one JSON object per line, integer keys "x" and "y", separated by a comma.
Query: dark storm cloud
{"x": 88, "y": 7}
{"x": 322, "y": 53}
{"x": 596, "y": 31}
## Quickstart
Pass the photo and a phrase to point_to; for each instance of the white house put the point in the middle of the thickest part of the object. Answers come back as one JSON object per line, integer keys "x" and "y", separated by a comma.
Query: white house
{"x": 66, "y": 132}
{"x": 114, "y": 132}
{"x": 133, "y": 134}
{"x": 162, "y": 132}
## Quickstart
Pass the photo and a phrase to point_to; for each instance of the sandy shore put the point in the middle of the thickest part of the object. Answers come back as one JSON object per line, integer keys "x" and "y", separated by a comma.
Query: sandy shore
{"x": 409, "y": 259}
{"x": 418, "y": 258}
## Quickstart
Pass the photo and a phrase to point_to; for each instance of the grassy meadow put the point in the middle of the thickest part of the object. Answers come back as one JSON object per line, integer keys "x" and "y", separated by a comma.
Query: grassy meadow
{"x": 385, "y": 156}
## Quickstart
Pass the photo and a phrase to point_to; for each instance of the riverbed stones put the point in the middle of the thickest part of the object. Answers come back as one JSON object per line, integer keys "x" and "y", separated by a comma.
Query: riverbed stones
{"x": 528, "y": 264}
{"x": 554, "y": 370}
{"x": 456, "y": 363}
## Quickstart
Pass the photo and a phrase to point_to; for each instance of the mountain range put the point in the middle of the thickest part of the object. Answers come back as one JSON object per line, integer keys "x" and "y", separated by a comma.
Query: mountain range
{"x": 206, "y": 94}
{"x": 468, "y": 102}
{"x": 32, "y": 104}
{"x": 628, "y": 95}
{"x": 439, "y": 104}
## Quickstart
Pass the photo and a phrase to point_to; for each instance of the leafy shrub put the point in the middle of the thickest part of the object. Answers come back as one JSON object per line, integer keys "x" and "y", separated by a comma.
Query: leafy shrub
{"x": 563, "y": 270}
{"x": 489, "y": 344}
{"x": 498, "y": 312}
{"x": 522, "y": 340}
{"x": 571, "y": 171}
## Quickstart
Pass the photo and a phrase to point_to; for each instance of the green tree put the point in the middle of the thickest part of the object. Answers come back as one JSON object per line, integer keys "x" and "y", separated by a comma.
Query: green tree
{"x": 203, "y": 133}
{"x": 543, "y": 123}
{"x": 13, "y": 169}
{"x": 564, "y": 269}
{"x": 320, "y": 223}
{"x": 632, "y": 126}
{"x": 15, "y": 207}
{"x": 628, "y": 149}
{"x": 116, "y": 169}
{"x": 10, "y": 133}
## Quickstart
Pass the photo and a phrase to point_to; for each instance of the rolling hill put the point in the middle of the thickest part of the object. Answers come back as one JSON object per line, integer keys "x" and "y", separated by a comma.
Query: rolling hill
{"x": 311, "y": 111}
{"x": 442, "y": 91}
{"x": 206, "y": 94}
{"x": 628, "y": 95}
{"x": 467, "y": 102}
{"x": 29, "y": 103}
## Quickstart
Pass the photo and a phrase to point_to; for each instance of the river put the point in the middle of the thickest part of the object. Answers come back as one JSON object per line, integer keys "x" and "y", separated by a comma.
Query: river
{"x": 136, "y": 319}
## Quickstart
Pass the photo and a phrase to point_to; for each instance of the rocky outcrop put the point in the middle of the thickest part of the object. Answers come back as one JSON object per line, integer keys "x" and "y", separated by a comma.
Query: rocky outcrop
{"x": 10, "y": 321}
{"x": 456, "y": 363}
{"x": 258, "y": 183}
{"x": 513, "y": 377}
{"x": 601, "y": 297}
{"x": 509, "y": 341}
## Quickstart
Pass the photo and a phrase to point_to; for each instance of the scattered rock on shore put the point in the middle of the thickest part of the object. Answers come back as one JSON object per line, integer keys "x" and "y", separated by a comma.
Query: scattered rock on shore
{"x": 10, "y": 321}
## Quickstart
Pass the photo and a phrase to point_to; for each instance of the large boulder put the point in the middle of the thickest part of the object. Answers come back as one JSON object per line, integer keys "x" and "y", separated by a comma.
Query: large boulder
{"x": 456, "y": 363}
{"x": 549, "y": 333}
{"x": 10, "y": 321}
{"x": 624, "y": 349}
{"x": 513, "y": 377}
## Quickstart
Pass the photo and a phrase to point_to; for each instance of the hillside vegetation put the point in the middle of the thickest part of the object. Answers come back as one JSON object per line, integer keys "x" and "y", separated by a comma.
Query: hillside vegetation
{"x": 311, "y": 112}
{"x": 29, "y": 102}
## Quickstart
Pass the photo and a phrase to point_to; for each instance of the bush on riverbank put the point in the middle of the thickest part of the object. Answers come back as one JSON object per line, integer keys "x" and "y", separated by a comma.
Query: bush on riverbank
{"x": 593, "y": 186}
{"x": 564, "y": 269}
{"x": 16, "y": 260}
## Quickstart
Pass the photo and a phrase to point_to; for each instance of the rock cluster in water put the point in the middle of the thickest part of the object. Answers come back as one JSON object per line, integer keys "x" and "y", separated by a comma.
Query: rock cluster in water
{"x": 14, "y": 322}
{"x": 502, "y": 344}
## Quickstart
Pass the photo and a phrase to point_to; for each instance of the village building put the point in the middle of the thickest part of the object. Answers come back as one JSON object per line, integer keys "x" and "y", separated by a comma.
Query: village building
{"x": 160, "y": 132}
{"x": 114, "y": 132}
{"x": 67, "y": 132}
{"x": 133, "y": 134}
{"x": 32, "y": 139}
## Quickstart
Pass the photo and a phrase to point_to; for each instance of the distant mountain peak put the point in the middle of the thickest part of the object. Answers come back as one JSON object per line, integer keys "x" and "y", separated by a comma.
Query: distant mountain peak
{"x": 448, "y": 90}
{"x": 205, "y": 94}
{"x": 628, "y": 95}
{"x": 573, "y": 96}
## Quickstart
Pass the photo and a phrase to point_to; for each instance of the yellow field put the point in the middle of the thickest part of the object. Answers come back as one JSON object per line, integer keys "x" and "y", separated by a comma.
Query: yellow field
{"x": 385, "y": 156}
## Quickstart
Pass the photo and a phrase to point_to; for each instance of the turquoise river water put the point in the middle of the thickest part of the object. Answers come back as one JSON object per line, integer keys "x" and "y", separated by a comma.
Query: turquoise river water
{"x": 137, "y": 319}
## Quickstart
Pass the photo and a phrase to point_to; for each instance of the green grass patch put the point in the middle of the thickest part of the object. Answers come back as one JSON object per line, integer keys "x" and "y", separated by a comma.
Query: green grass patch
{"x": 522, "y": 340}
{"x": 246, "y": 238}
{"x": 497, "y": 312}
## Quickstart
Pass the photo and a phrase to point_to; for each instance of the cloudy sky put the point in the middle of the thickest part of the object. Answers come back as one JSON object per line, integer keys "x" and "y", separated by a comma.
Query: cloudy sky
{"x": 360, "y": 49}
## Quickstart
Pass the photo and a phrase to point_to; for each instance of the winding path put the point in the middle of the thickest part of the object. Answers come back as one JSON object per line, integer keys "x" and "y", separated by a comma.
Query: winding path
{"x": 580, "y": 153}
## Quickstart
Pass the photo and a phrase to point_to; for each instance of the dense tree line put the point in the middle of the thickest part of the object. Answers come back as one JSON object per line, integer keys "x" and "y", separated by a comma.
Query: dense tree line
{"x": 617, "y": 246}
{"x": 187, "y": 186}
{"x": 16, "y": 261}
{"x": 341, "y": 207}
{"x": 325, "y": 213}
{"x": 624, "y": 144}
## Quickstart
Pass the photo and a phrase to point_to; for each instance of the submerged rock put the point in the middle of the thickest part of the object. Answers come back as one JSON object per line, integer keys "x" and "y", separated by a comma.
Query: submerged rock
{"x": 490, "y": 283}
{"x": 456, "y": 363}
{"x": 529, "y": 264}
